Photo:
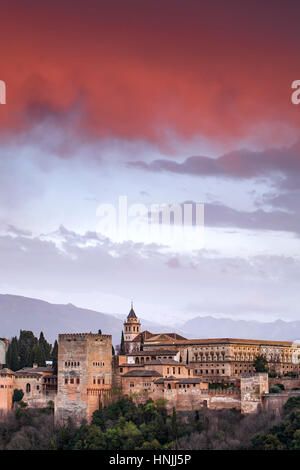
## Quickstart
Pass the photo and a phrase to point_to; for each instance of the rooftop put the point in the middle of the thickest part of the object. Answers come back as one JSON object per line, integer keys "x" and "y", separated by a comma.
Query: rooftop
{"x": 227, "y": 341}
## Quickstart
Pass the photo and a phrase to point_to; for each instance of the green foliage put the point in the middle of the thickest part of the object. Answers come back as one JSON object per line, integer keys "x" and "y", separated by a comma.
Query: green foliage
{"x": 123, "y": 425}
{"x": 54, "y": 357}
{"x": 275, "y": 389}
{"x": 286, "y": 435}
{"x": 26, "y": 344}
{"x": 122, "y": 345}
{"x": 260, "y": 363}
{"x": 38, "y": 355}
{"x": 220, "y": 385}
{"x": 27, "y": 350}
{"x": 45, "y": 347}
{"x": 272, "y": 373}
{"x": 17, "y": 395}
{"x": 12, "y": 355}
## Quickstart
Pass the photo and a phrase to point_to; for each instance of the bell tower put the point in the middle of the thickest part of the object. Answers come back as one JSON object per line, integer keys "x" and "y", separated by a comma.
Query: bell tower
{"x": 132, "y": 327}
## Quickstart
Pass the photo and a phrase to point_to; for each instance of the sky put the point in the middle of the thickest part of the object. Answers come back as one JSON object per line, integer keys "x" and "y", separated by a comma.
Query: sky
{"x": 167, "y": 103}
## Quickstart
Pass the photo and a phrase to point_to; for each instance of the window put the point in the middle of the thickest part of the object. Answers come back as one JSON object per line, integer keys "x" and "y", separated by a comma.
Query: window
{"x": 131, "y": 384}
{"x": 78, "y": 381}
{"x": 71, "y": 381}
{"x": 121, "y": 369}
{"x": 37, "y": 387}
{"x": 28, "y": 388}
{"x": 66, "y": 381}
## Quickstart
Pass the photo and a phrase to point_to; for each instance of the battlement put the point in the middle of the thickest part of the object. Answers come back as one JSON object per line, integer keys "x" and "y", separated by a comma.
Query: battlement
{"x": 82, "y": 336}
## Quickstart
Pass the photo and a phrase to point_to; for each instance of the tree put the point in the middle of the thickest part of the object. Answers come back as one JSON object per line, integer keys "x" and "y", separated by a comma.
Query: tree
{"x": 99, "y": 332}
{"x": 142, "y": 343}
{"x": 38, "y": 356}
{"x": 17, "y": 395}
{"x": 54, "y": 357}
{"x": 45, "y": 346}
{"x": 260, "y": 363}
{"x": 12, "y": 356}
{"x": 174, "y": 426}
{"x": 122, "y": 345}
{"x": 27, "y": 341}
{"x": 187, "y": 356}
{"x": 113, "y": 350}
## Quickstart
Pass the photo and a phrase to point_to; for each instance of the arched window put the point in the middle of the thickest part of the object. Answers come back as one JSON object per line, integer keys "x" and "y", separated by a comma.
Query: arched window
{"x": 28, "y": 388}
{"x": 169, "y": 386}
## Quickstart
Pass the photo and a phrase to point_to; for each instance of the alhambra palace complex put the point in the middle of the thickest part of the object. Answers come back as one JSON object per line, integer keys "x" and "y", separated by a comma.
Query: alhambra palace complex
{"x": 187, "y": 373}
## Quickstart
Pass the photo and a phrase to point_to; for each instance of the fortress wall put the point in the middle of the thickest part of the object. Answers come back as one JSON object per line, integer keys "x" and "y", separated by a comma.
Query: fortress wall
{"x": 84, "y": 370}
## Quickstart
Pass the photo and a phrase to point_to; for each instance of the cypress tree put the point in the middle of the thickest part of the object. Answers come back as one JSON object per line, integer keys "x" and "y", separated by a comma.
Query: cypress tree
{"x": 39, "y": 356}
{"x": 27, "y": 342}
{"x": 54, "y": 357}
{"x": 122, "y": 346}
{"x": 45, "y": 346}
{"x": 12, "y": 356}
{"x": 113, "y": 350}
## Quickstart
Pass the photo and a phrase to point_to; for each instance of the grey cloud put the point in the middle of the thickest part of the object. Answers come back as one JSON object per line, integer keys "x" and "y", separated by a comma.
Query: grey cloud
{"x": 283, "y": 165}
{"x": 216, "y": 285}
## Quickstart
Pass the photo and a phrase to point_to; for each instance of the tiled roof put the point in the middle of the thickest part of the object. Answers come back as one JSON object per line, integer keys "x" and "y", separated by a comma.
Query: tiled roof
{"x": 228, "y": 341}
{"x": 6, "y": 371}
{"x": 35, "y": 370}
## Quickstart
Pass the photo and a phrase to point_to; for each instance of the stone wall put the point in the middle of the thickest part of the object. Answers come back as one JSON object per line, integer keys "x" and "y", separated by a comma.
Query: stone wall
{"x": 287, "y": 382}
{"x": 252, "y": 390}
{"x": 84, "y": 375}
{"x": 6, "y": 391}
{"x": 3, "y": 348}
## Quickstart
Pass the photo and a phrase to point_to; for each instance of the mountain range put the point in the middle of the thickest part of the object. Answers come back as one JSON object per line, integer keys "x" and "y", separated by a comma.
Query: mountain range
{"x": 24, "y": 313}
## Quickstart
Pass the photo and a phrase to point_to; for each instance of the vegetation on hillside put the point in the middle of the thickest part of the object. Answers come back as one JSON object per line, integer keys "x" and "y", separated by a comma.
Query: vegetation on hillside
{"x": 126, "y": 426}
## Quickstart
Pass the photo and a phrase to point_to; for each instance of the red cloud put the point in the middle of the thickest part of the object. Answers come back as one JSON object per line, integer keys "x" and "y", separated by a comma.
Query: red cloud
{"x": 140, "y": 69}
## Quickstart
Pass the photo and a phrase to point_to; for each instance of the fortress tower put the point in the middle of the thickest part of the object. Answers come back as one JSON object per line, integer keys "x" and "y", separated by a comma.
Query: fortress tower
{"x": 131, "y": 330}
{"x": 84, "y": 375}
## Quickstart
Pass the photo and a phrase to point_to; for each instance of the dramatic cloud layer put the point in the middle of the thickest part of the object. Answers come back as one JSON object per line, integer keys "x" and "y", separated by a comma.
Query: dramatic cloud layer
{"x": 139, "y": 70}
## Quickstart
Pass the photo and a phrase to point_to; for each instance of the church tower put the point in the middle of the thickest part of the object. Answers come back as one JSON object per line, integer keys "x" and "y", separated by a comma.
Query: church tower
{"x": 132, "y": 327}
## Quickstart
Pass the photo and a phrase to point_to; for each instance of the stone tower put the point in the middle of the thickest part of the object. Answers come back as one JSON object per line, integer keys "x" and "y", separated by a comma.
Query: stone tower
{"x": 84, "y": 375}
{"x": 132, "y": 327}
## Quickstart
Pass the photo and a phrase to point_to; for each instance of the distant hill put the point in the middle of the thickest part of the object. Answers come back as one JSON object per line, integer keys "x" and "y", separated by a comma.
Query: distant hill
{"x": 210, "y": 327}
{"x": 23, "y": 313}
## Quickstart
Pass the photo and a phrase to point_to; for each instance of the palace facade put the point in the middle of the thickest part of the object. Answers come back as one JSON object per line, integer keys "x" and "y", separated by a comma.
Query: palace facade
{"x": 186, "y": 373}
